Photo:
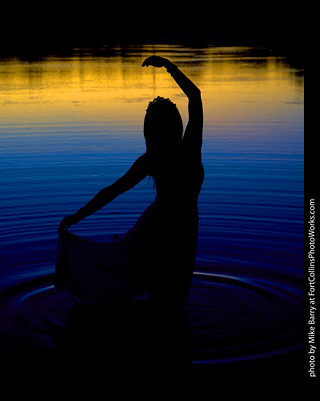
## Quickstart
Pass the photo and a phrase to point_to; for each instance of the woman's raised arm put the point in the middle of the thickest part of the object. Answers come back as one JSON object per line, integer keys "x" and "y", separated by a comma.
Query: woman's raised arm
{"x": 187, "y": 86}
{"x": 193, "y": 132}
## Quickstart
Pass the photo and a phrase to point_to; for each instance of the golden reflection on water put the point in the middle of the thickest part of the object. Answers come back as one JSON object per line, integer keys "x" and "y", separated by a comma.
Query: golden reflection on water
{"x": 236, "y": 87}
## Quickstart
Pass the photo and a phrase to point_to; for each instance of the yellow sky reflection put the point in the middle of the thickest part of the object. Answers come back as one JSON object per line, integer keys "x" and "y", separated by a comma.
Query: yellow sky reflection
{"x": 115, "y": 90}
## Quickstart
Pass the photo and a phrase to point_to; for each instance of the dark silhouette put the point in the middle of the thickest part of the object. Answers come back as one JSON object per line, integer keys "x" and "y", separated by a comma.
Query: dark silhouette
{"x": 157, "y": 255}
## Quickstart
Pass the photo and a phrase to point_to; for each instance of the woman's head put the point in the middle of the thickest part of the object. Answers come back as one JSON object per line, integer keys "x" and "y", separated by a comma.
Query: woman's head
{"x": 163, "y": 126}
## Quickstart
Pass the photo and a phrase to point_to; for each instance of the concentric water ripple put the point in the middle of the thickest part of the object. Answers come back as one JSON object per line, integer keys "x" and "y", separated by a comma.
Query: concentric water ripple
{"x": 230, "y": 318}
{"x": 238, "y": 319}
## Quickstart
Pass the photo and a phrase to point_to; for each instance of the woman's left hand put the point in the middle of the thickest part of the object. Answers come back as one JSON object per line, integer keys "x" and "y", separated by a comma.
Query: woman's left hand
{"x": 66, "y": 222}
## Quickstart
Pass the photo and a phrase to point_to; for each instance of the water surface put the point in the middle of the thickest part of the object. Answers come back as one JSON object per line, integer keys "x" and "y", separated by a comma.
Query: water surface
{"x": 71, "y": 125}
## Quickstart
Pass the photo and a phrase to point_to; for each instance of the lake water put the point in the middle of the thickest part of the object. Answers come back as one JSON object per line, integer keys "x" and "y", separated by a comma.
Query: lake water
{"x": 71, "y": 125}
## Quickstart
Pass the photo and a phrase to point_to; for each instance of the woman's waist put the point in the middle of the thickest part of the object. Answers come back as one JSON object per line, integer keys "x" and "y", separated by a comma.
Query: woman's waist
{"x": 176, "y": 202}
{"x": 176, "y": 210}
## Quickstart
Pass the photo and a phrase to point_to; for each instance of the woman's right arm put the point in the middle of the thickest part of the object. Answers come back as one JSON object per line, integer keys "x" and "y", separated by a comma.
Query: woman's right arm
{"x": 137, "y": 172}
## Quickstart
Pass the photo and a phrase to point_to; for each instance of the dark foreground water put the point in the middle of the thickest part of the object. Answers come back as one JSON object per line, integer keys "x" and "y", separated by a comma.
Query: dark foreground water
{"x": 71, "y": 125}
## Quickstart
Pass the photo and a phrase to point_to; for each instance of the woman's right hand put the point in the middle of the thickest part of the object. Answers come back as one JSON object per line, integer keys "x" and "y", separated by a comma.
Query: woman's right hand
{"x": 156, "y": 61}
{"x": 66, "y": 222}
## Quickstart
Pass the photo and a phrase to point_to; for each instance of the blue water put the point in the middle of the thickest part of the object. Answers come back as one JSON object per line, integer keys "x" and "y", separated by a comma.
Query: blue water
{"x": 71, "y": 125}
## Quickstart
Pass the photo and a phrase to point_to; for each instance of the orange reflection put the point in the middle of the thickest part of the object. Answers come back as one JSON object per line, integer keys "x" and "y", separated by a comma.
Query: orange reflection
{"x": 117, "y": 89}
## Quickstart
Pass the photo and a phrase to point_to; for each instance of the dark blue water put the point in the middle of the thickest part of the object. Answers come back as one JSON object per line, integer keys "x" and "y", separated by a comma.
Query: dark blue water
{"x": 70, "y": 126}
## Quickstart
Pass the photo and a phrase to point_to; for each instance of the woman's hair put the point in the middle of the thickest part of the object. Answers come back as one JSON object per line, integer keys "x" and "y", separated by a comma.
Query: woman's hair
{"x": 163, "y": 126}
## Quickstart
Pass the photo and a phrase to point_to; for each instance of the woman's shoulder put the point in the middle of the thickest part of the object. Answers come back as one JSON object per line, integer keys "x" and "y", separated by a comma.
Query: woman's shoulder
{"x": 142, "y": 160}
{"x": 143, "y": 163}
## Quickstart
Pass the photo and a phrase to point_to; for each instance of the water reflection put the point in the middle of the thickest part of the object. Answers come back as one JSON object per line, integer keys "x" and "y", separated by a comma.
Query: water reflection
{"x": 246, "y": 92}
{"x": 55, "y": 87}
{"x": 72, "y": 124}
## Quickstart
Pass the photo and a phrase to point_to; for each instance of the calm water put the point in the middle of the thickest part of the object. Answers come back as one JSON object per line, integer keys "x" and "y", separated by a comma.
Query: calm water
{"x": 71, "y": 125}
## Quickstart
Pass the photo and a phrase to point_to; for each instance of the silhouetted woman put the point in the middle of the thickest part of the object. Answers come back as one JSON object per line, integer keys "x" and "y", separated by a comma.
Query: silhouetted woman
{"x": 158, "y": 253}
